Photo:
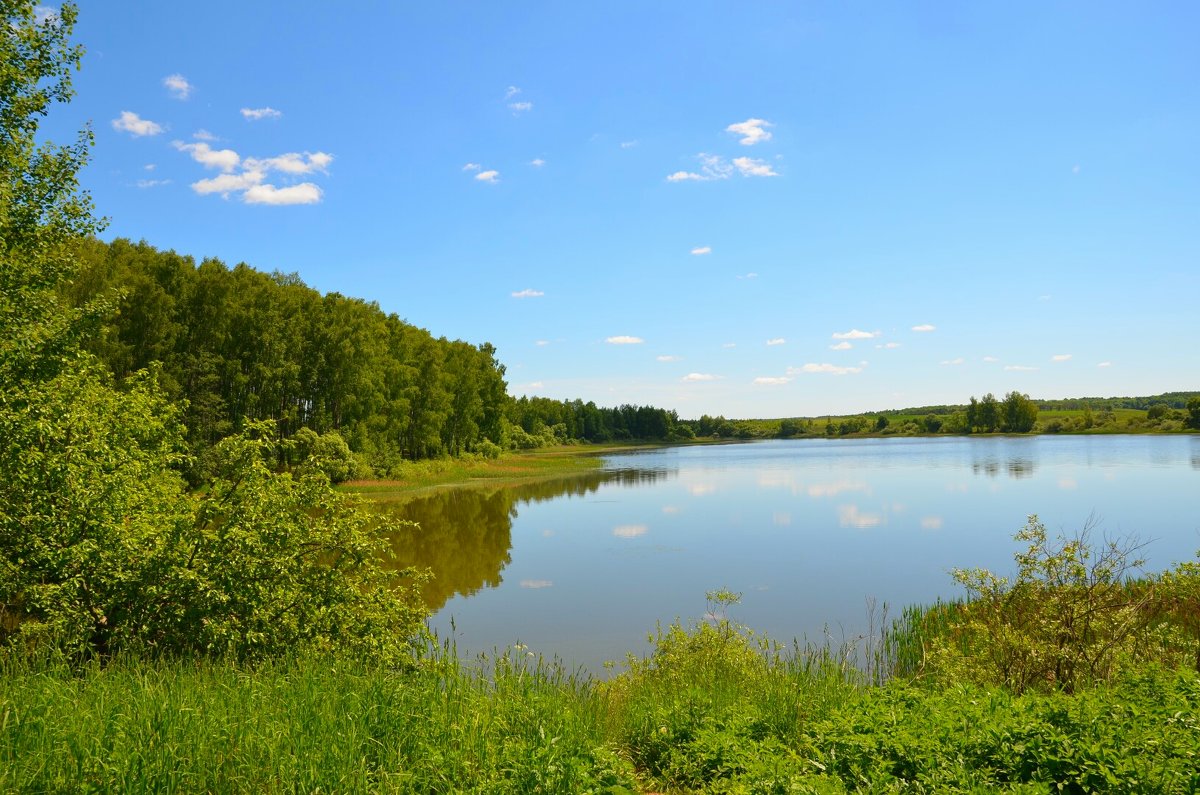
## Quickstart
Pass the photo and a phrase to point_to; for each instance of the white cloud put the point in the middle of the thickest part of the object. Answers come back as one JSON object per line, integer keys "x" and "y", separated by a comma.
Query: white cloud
{"x": 831, "y": 369}
{"x": 178, "y": 86}
{"x": 471, "y": 167}
{"x": 152, "y": 183}
{"x": 777, "y": 341}
{"x": 536, "y": 385}
{"x": 712, "y": 167}
{"x": 1105, "y": 364}
{"x": 702, "y": 250}
{"x": 511, "y": 92}
{"x": 751, "y": 275}
{"x": 204, "y": 135}
{"x": 699, "y": 377}
{"x": 222, "y": 159}
{"x": 855, "y": 334}
{"x": 1075, "y": 169}
{"x": 135, "y": 125}
{"x": 841, "y": 346}
{"x": 767, "y": 380}
{"x": 729, "y": 345}
{"x": 891, "y": 345}
{"x": 291, "y": 162}
{"x": 628, "y": 144}
{"x": 668, "y": 358}
{"x": 751, "y": 130}
{"x": 952, "y": 362}
{"x": 749, "y": 167}
{"x": 537, "y": 162}
{"x": 990, "y": 359}
{"x": 624, "y": 340}
{"x": 925, "y": 327}
{"x": 629, "y": 530}
{"x": 1043, "y": 298}
{"x": 256, "y": 114}
{"x": 1019, "y": 368}
{"x": 536, "y": 583}
{"x": 1061, "y": 357}
{"x": 527, "y": 293}
{"x": 150, "y": 166}
{"x": 520, "y": 107}
{"x": 228, "y": 183}
{"x": 304, "y": 193}
{"x": 44, "y": 14}
{"x": 491, "y": 176}
{"x": 542, "y": 343}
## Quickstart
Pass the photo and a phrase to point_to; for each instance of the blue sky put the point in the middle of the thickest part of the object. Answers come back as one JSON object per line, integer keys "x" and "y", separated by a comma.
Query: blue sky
{"x": 752, "y": 209}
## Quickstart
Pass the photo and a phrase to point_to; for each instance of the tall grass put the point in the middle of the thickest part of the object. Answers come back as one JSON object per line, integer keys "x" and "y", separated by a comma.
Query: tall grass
{"x": 715, "y": 707}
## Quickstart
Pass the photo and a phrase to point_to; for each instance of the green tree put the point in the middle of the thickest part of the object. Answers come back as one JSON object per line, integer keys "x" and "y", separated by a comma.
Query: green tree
{"x": 988, "y": 419}
{"x": 1019, "y": 413}
{"x": 1193, "y": 407}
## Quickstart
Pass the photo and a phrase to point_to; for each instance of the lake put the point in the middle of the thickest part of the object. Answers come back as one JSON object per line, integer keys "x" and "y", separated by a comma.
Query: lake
{"x": 808, "y": 531}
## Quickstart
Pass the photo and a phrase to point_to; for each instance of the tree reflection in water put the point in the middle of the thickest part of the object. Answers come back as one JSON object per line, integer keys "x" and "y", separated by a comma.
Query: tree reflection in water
{"x": 464, "y": 535}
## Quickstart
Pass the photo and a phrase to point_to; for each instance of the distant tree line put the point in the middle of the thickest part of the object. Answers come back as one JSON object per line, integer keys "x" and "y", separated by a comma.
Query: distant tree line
{"x": 236, "y": 345}
{"x": 537, "y": 420}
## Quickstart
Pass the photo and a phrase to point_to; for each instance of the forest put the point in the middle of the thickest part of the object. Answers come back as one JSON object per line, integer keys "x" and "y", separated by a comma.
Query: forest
{"x": 236, "y": 345}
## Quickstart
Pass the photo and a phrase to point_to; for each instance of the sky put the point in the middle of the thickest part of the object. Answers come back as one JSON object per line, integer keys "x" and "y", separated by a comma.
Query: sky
{"x": 750, "y": 209}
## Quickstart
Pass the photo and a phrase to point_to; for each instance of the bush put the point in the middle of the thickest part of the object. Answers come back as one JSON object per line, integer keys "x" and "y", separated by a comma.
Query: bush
{"x": 113, "y": 553}
{"x": 1068, "y": 618}
{"x": 488, "y": 449}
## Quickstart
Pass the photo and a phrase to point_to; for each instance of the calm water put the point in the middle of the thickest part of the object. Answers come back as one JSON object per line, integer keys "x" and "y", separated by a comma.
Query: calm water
{"x": 807, "y": 530}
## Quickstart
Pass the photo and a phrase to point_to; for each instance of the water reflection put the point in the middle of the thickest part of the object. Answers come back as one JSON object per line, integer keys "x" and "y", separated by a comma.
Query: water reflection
{"x": 1019, "y": 468}
{"x": 464, "y": 535}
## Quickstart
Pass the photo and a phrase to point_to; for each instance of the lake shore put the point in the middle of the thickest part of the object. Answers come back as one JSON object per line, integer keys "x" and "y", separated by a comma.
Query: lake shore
{"x": 509, "y": 470}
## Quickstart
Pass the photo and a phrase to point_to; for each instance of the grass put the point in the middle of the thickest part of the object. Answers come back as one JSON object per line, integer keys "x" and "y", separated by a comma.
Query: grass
{"x": 509, "y": 469}
{"x": 925, "y": 703}
{"x": 714, "y": 708}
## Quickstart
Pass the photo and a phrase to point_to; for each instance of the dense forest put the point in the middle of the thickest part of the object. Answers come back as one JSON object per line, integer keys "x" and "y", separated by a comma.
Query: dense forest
{"x": 236, "y": 345}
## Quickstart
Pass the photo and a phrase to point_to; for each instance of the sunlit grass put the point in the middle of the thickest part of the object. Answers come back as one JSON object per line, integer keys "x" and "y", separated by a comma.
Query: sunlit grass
{"x": 715, "y": 707}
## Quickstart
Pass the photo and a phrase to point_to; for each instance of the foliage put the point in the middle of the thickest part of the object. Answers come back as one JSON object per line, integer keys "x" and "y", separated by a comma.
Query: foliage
{"x": 713, "y": 709}
{"x": 113, "y": 553}
{"x": 1068, "y": 618}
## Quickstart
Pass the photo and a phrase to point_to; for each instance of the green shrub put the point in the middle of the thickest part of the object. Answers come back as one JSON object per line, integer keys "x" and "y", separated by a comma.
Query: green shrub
{"x": 1068, "y": 618}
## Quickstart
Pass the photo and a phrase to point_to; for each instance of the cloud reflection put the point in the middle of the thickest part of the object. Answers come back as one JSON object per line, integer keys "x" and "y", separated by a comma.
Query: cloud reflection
{"x": 931, "y": 523}
{"x": 851, "y": 516}
{"x": 536, "y": 584}
{"x": 629, "y": 530}
{"x": 781, "y": 519}
{"x": 833, "y": 489}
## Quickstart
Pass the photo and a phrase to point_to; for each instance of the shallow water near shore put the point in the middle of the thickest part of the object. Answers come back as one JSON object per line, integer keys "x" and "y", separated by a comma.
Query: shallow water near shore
{"x": 809, "y": 531}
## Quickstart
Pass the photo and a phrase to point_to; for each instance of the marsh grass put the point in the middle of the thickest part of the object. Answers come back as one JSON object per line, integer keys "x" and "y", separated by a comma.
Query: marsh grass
{"x": 715, "y": 707}
{"x": 687, "y": 721}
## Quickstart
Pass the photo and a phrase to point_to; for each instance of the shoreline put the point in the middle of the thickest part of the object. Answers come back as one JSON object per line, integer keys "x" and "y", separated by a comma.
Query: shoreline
{"x": 565, "y": 461}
